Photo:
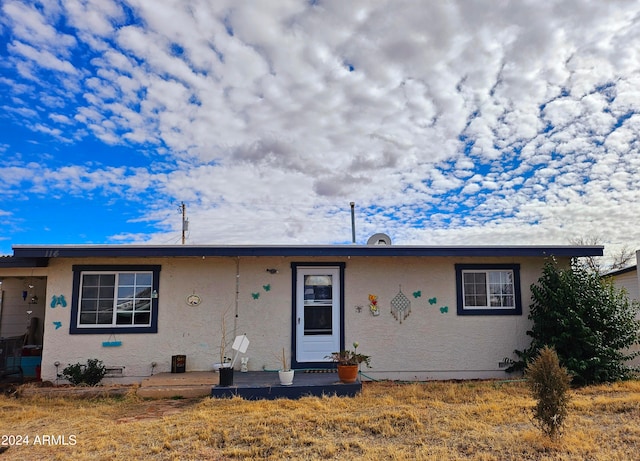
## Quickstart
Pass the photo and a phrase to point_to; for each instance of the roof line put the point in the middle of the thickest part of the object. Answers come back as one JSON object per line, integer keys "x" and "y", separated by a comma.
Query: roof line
{"x": 13, "y": 261}
{"x": 621, "y": 271}
{"x": 83, "y": 251}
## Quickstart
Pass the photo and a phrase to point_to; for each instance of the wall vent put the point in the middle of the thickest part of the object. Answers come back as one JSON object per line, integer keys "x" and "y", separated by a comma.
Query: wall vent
{"x": 114, "y": 372}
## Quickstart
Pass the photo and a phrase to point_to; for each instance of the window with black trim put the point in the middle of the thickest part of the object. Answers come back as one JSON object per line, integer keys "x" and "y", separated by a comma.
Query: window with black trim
{"x": 115, "y": 299}
{"x": 488, "y": 289}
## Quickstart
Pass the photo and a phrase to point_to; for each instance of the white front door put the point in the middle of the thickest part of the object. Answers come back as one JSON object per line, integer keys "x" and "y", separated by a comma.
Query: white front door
{"x": 318, "y": 313}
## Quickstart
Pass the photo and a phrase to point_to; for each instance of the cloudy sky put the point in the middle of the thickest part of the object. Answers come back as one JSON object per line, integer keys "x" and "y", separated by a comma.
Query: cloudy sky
{"x": 447, "y": 123}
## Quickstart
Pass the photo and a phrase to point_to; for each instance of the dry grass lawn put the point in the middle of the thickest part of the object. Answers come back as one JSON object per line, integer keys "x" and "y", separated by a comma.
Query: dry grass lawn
{"x": 435, "y": 420}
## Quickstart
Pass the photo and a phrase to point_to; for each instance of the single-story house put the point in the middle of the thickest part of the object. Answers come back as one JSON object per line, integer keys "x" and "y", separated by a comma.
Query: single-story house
{"x": 420, "y": 312}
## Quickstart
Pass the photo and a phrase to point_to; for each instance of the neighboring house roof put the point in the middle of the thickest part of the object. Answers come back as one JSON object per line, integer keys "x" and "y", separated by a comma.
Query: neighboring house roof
{"x": 37, "y": 253}
{"x": 617, "y": 272}
{"x": 626, "y": 278}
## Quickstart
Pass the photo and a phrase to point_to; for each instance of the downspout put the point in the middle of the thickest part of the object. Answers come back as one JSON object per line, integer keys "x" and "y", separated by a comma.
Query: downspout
{"x": 1, "y": 302}
{"x": 235, "y": 317}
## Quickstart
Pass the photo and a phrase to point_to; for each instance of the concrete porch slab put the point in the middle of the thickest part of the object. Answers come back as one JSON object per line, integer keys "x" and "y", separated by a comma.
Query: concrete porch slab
{"x": 266, "y": 385}
{"x": 186, "y": 385}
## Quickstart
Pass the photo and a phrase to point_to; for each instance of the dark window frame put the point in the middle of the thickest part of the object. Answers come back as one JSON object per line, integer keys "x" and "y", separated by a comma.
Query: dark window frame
{"x": 78, "y": 270}
{"x": 463, "y": 310}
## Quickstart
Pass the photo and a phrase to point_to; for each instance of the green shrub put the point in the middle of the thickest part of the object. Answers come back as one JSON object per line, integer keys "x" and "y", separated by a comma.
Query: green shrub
{"x": 90, "y": 374}
{"x": 549, "y": 383}
{"x": 587, "y": 320}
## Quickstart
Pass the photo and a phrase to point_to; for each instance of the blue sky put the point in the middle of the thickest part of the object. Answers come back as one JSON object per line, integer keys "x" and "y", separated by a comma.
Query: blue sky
{"x": 447, "y": 123}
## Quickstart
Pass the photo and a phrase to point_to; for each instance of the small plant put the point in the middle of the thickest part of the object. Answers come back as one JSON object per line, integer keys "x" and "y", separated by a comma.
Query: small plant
{"x": 549, "y": 383}
{"x": 348, "y": 357}
{"x": 225, "y": 343}
{"x": 89, "y": 375}
{"x": 285, "y": 366}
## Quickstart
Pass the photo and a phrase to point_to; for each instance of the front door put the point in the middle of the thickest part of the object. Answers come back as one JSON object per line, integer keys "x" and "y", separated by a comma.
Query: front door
{"x": 317, "y": 312}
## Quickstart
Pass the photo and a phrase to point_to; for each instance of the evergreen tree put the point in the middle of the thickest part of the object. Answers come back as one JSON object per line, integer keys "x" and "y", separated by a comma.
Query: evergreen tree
{"x": 549, "y": 383}
{"x": 586, "y": 319}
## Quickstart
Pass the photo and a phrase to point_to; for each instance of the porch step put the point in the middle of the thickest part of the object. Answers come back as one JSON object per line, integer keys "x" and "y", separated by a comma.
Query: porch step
{"x": 265, "y": 385}
{"x": 186, "y": 385}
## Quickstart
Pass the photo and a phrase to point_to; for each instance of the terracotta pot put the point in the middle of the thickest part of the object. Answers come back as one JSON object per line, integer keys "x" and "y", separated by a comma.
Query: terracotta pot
{"x": 348, "y": 373}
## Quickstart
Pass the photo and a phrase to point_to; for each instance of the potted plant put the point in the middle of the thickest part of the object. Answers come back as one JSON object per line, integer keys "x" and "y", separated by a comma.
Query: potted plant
{"x": 349, "y": 363}
{"x": 225, "y": 365}
{"x": 285, "y": 373}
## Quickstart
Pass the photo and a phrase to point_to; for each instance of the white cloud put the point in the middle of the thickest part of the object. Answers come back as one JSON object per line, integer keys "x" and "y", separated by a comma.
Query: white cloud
{"x": 31, "y": 26}
{"x": 45, "y": 59}
{"x": 93, "y": 17}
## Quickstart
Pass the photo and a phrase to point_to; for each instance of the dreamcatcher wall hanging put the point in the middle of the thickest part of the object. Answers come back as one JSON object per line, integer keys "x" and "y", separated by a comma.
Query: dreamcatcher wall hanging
{"x": 400, "y": 306}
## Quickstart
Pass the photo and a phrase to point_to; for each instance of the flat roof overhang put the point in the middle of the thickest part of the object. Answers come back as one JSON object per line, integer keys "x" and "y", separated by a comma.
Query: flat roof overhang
{"x": 39, "y": 252}
{"x": 13, "y": 261}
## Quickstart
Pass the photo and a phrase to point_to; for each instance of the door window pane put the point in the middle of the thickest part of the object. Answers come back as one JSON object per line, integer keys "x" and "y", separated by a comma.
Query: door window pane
{"x": 318, "y": 288}
{"x": 317, "y": 320}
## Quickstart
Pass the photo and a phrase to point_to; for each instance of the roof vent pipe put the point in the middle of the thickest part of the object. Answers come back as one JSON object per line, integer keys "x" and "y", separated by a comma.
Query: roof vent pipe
{"x": 353, "y": 222}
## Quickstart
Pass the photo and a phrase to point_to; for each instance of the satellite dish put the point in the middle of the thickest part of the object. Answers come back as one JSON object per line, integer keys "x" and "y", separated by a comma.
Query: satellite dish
{"x": 379, "y": 239}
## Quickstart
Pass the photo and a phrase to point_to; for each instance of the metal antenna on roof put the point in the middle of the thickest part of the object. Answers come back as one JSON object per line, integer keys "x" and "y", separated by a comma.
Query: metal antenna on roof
{"x": 353, "y": 223}
{"x": 185, "y": 221}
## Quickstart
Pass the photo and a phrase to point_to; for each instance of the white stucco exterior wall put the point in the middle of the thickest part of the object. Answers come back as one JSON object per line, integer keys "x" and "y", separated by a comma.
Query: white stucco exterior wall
{"x": 429, "y": 344}
{"x": 182, "y": 329}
